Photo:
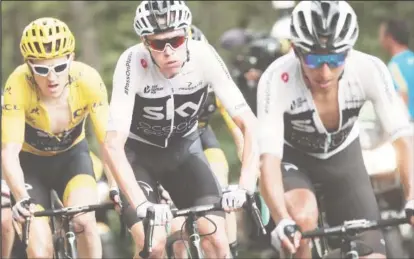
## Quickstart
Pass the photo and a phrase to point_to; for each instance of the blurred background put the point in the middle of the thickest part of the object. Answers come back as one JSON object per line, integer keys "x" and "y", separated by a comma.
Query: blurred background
{"x": 103, "y": 30}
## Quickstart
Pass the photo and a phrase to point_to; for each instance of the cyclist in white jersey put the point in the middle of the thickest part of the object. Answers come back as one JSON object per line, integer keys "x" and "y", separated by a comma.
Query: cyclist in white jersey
{"x": 308, "y": 104}
{"x": 159, "y": 87}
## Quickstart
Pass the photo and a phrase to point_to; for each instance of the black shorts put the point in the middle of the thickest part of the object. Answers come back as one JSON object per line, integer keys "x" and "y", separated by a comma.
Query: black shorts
{"x": 208, "y": 138}
{"x": 63, "y": 173}
{"x": 181, "y": 168}
{"x": 344, "y": 183}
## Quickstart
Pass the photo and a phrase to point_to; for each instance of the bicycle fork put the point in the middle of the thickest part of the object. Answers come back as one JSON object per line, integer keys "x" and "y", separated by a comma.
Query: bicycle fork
{"x": 193, "y": 236}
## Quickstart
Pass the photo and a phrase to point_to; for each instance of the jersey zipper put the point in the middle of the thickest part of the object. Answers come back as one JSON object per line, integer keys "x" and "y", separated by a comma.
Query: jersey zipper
{"x": 327, "y": 142}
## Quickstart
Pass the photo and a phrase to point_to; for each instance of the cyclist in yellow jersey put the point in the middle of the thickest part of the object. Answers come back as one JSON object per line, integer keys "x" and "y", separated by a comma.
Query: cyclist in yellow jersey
{"x": 46, "y": 103}
{"x": 214, "y": 153}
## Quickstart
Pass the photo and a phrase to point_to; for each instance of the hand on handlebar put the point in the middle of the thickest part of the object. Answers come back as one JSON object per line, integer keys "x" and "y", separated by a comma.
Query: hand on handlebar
{"x": 23, "y": 209}
{"x": 162, "y": 212}
{"x": 116, "y": 198}
{"x": 164, "y": 195}
{"x": 286, "y": 235}
{"x": 234, "y": 199}
{"x": 409, "y": 211}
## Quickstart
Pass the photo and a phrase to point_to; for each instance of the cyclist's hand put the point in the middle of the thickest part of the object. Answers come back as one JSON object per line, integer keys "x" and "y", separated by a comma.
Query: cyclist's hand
{"x": 280, "y": 240}
{"x": 409, "y": 211}
{"x": 116, "y": 198}
{"x": 163, "y": 213}
{"x": 165, "y": 196}
{"x": 22, "y": 209}
{"x": 233, "y": 199}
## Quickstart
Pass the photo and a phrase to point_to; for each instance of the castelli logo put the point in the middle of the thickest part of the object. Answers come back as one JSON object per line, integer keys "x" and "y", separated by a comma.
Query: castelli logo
{"x": 285, "y": 77}
{"x": 144, "y": 63}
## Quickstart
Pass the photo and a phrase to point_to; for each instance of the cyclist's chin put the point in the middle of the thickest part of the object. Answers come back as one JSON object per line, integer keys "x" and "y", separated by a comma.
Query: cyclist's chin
{"x": 172, "y": 68}
{"x": 52, "y": 90}
{"x": 324, "y": 84}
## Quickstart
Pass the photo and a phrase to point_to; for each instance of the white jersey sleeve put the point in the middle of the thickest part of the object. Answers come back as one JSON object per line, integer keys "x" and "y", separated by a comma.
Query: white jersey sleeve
{"x": 272, "y": 102}
{"x": 387, "y": 103}
{"x": 217, "y": 74}
{"x": 123, "y": 93}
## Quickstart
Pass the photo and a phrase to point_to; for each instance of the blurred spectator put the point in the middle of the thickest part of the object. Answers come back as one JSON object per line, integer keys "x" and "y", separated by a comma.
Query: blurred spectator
{"x": 394, "y": 37}
{"x": 236, "y": 37}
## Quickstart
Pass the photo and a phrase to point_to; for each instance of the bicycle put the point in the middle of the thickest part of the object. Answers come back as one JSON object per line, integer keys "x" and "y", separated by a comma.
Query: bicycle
{"x": 64, "y": 238}
{"x": 351, "y": 248}
{"x": 192, "y": 214}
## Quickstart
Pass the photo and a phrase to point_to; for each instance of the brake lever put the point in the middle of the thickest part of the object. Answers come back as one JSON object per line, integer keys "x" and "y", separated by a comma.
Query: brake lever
{"x": 149, "y": 231}
{"x": 255, "y": 212}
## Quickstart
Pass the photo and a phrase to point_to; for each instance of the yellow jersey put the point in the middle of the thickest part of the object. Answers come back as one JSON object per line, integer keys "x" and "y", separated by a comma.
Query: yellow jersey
{"x": 26, "y": 120}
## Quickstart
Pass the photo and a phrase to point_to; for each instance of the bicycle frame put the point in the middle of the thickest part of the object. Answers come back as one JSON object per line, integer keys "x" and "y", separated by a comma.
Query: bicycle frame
{"x": 351, "y": 249}
{"x": 192, "y": 215}
{"x": 63, "y": 249}
{"x": 194, "y": 236}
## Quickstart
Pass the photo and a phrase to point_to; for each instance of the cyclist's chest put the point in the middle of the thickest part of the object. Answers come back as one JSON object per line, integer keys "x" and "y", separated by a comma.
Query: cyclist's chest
{"x": 164, "y": 99}
{"x": 56, "y": 118}
{"x": 318, "y": 124}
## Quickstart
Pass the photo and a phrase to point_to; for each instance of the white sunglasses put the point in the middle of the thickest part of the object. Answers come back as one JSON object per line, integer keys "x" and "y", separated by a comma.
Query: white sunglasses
{"x": 43, "y": 70}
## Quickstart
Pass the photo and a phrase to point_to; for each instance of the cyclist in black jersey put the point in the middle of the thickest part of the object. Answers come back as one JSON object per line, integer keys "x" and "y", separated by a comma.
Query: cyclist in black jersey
{"x": 213, "y": 152}
{"x": 152, "y": 137}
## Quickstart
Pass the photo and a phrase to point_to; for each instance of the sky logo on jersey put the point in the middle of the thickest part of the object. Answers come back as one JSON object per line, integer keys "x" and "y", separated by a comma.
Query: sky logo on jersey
{"x": 333, "y": 60}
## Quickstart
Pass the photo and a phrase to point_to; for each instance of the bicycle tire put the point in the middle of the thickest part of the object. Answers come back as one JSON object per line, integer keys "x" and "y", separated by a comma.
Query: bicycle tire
{"x": 169, "y": 245}
{"x": 56, "y": 229}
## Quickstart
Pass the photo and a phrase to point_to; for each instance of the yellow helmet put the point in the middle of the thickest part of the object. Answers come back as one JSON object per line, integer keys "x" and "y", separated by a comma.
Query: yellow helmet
{"x": 46, "y": 31}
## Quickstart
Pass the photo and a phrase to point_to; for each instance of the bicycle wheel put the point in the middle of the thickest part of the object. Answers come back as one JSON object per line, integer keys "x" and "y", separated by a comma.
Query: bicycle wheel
{"x": 57, "y": 228}
{"x": 171, "y": 240}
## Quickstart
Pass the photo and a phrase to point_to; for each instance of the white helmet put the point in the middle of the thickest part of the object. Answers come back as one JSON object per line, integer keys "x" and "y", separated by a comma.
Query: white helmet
{"x": 326, "y": 25}
{"x": 158, "y": 16}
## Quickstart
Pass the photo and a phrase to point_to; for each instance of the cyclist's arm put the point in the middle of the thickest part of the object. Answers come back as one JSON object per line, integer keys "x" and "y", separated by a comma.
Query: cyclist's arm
{"x": 399, "y": 81}
{"x": 395, "y": 120}
{"x": 233, "y": 128}
{"x": 98, "y": 110}
{"x": 235, "y": 104}
{"x": 270, "y": 109}
{"x": 12, "y": 136}
{"x": 120, "y": 116}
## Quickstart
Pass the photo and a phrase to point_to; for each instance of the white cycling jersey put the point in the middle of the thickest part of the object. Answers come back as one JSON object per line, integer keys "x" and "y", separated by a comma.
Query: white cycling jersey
{"x": 288, "y": 115}
{"x": 154, "y": 109}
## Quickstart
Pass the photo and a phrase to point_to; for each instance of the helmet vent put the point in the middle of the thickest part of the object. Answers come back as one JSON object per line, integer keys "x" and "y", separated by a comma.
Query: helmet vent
{"x": 303, "y": 26}
{"x": 345, "y": 28}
